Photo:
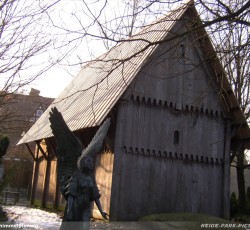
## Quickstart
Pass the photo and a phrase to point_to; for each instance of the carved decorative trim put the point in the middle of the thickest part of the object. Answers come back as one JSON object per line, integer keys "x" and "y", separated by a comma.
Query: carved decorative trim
{"x": 172, "y": 105}
{"x": 172, "y": 156}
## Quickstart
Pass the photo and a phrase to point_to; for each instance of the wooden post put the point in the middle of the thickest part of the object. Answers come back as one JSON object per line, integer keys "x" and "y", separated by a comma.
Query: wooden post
{"x": 52, "y": 154}
{"x": 226, "y": 172}
{"x": 57, "y": 193}
{"x": 6, "y": 196}
{"x": 46, "y": 182}
{"x": 47, "y": 158}
{"x": 34, "y": 184}
{"x": 35, "y": 177}
{"x": 41, "y": 149}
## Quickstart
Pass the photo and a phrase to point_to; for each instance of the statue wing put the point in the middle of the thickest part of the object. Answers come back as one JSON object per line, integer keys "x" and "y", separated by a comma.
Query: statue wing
{"x": 96, "y": 143}
{"x": 69, "y": 147}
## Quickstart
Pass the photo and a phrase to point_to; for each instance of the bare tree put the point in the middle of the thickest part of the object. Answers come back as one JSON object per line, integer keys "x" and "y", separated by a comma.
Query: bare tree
{"x": 23, "y": 37}
{"x": 31, "y": 31}
{"x": 29, "y": 46}
{"x": 109, "y": 23}
{"x": 231, "y": 41}
{"x": 235, "y": 56}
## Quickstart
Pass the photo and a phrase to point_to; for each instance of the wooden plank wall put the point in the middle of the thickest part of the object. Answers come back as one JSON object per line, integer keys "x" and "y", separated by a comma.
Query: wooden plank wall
{"x": 187, "y": 82}
{"x": 103, "y": 175}
{"x": 156, "y": 175}
{"x": 172, "y": 92}
{"x": 150, "y": 126}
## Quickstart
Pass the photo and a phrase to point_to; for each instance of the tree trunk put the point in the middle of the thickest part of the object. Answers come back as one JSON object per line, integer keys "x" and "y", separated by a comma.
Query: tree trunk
{"x": 241, "y": 181}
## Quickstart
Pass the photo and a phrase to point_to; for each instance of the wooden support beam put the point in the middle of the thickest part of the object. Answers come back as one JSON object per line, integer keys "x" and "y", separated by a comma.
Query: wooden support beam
{"x": 35, "y": 177}
{"x": 46, "y": 182}
{"x": 52, "y": 147}
{"x": 30, "y": 151}
{"x": 52, "y": 155}
{"x": 57, "y": 194}
{"x": 34, "y": 184}
{"x": 41, "y": 149}
{"x": 47, "y": 174}
{"x": 40, "y": 159}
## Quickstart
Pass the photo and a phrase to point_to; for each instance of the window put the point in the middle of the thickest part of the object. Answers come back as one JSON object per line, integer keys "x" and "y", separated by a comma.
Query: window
{"x": 39, "y": 112}
{"x": 176, "y": 137}
{"x": 183, "y": 51}
{"x": 32, "y": 119}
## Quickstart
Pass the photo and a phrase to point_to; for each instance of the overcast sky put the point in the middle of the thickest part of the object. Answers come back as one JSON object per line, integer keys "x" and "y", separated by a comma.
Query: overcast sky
{"x": 52, "y": 83}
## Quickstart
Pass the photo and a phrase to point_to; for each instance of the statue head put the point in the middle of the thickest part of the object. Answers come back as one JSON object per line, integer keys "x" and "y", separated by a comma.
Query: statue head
{"x": 84, "y": 163}
{"x": 87, "y": 164}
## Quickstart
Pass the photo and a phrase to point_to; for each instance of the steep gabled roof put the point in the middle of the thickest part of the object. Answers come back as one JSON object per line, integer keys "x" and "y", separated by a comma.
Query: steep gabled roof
{"x": 91, "y": 95}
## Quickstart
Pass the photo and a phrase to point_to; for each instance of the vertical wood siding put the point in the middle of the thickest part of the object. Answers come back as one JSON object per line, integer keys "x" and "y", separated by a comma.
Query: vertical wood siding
{"x": 151, "y": 181}
{"x": 152, "y": 172}
{"x": 103, "y": 175}
{"x": 186, "y": 82}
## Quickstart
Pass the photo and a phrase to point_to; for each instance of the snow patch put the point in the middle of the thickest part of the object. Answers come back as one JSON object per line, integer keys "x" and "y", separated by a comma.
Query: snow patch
{"x": 34, "y": 217}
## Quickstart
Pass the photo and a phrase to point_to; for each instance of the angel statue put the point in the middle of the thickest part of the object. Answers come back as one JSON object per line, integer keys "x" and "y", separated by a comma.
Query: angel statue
{"x": 75, "y": 166}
